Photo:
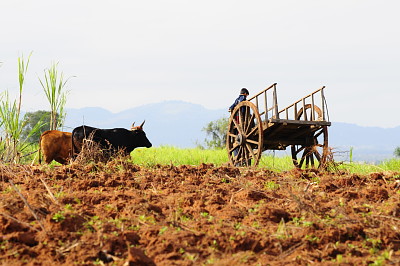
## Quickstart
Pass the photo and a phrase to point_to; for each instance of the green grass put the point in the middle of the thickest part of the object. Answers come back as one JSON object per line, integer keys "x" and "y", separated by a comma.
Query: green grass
{"x": 276, "y": 163}
{"x": 364, "y": 168}
{"x": 165, "y": 155}
{"x": 171, "y": 155}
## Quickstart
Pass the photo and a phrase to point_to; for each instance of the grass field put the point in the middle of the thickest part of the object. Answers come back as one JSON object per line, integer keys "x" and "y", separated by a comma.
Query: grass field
{"x": 165, "y": 155}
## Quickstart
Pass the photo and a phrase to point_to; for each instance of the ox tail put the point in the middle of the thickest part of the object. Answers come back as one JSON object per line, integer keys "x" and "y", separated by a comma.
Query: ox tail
{"x": 72, "y": 145}
{"x": 40, "y": 148}
{"x": 73, "y": 148}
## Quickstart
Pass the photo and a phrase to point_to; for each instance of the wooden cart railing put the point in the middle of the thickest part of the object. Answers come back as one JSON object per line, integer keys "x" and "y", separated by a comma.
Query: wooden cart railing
{"x": 266, "y": 102}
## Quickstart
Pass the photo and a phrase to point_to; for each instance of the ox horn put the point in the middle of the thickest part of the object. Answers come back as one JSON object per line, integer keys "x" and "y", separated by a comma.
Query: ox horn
{"x": 133, "y": 125}
{"x": 142, "y": 123}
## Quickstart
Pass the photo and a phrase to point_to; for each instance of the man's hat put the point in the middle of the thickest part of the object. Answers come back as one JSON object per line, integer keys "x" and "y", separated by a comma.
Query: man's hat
{"x": 244, "y": 91}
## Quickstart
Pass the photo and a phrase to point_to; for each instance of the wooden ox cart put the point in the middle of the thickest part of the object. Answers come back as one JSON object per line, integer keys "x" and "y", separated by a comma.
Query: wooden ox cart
{"x": 257, "y": 125}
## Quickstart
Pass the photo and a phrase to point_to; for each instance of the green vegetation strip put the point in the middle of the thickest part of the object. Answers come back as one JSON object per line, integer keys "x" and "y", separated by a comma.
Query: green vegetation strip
{"x": 165, "y": 155}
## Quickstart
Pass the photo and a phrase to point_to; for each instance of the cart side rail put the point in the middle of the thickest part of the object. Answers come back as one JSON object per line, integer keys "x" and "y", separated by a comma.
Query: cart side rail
{"x": 266, "y": 102}
{"x": 315, "y": 99}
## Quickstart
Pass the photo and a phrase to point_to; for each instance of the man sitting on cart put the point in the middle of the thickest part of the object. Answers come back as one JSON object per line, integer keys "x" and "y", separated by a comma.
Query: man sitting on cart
{"x": 242, "y": 97}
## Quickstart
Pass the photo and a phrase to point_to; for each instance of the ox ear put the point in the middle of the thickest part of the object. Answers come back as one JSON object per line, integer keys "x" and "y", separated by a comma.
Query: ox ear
{"x": 141, "y": 126}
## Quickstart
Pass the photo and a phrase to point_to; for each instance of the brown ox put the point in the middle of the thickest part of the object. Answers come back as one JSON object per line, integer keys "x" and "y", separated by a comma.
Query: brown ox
{"x": 55, "y": 145}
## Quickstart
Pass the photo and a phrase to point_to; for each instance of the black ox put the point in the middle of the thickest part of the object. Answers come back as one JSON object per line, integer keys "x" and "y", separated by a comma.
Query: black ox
{"x": 116, "y": 138}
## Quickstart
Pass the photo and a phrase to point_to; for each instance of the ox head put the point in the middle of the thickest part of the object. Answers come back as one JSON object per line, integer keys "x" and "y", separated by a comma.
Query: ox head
{"x": 138, "y": 127}
{"x": 139, "y": 134}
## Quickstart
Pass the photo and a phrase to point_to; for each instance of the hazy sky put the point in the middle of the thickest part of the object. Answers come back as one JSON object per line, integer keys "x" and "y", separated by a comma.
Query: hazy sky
{"x": 124, "y": 54}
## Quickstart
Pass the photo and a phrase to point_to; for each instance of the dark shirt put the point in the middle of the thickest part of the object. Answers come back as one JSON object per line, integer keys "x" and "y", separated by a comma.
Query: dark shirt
{"x": 241, "y": 98}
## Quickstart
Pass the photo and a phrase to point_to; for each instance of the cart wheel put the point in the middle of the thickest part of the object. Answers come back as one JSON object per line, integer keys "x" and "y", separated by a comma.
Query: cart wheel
{"x": 244, "y": 140}
{"x": 314, "y": 153}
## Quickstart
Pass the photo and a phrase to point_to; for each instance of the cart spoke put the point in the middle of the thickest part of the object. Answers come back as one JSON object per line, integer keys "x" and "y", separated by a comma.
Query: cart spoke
{"x": 232, "y": 135}
{"x": 249, "y": 123}
{"x": 241, "y": 151}
{"x": 236, "y": 124}
{"x": 246, "y": 156}
{"x": 297, "y": 151}
{"x": 253, "y": 130}
{"x": 233, "y": 148}
{"x": 252, "y": 141}
{"x": 251, "y": 151}
{"x": 238, "y": 155}
{"x": 311, "y": 160}
{"x": 304, "y": 156}
{"x": 318, "y": 134}
{"x": 301, "y": 162}
{"x": 307, "y": 160}
{"x": 317, "y": 155}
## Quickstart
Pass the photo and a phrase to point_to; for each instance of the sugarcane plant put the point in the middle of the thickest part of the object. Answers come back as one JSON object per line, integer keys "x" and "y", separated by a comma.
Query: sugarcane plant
{"x": 11, "y": 144}
{"x": 54, "y": 88}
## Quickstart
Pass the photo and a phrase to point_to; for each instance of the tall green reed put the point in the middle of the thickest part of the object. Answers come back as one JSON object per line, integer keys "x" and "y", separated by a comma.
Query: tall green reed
{"x": 54, "y": 88}
{"x": 11, "y": 145}
{"x": 22, "y": 70}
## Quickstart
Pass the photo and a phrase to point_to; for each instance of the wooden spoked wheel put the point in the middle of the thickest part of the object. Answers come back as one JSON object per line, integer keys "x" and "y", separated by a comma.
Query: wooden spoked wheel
{"x": 313, "y": 153}
{"x": 244, "y": 140}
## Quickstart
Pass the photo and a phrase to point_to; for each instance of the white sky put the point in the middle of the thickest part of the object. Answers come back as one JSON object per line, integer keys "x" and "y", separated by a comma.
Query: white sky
{"x": 125, "y": 54}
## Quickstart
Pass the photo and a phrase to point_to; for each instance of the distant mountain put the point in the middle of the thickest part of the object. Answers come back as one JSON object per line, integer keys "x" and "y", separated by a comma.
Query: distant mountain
{"x": 174, "y": 123}
{"x": 180, "y": 124}
{"x": 370, "y": 144}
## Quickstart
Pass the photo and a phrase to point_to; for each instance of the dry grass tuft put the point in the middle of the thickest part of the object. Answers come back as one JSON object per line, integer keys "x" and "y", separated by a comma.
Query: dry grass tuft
{"x": 330, "y": 164}
{"x": 93, "y": 152}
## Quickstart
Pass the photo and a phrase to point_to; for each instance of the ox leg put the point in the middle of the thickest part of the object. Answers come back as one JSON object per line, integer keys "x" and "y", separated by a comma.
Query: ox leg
{"x": 61, "y": 160}
{"x": 48, "y": 159}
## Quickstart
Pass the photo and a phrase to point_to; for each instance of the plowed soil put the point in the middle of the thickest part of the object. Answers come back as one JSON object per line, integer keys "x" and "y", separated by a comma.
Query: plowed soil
{"x": 122, "y": 214}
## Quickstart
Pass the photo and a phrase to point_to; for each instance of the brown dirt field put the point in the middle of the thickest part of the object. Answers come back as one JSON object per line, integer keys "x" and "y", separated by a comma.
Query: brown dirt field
{"x": 122, "y": 214}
